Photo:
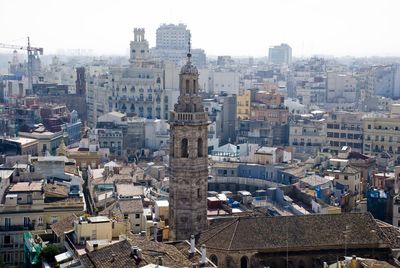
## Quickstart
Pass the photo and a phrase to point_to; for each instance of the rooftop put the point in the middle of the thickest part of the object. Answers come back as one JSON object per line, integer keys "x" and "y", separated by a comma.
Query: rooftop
{"x": 65, "y": 225}
{"x": 256, "y": 233}
{"x": 121, "y": 251}
{"x": 26, "y": 187}
{"x": 22, "y": 140}
{"x": 315, "y": 180}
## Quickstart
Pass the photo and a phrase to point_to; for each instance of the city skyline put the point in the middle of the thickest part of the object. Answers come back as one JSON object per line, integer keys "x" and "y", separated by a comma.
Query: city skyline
{"x": 337, "y": 28}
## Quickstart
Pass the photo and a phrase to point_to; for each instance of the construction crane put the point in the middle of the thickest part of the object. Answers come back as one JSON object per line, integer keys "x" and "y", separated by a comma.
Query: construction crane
{"x": 32, "y": 53}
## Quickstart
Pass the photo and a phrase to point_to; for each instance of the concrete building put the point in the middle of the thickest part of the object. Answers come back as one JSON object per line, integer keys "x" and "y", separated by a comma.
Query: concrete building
{"x": 281, "y": 54}
{"x": 48, "y": 141}
{"x": 171, "y": 45}
{"x": 224, "y": 82}
{"x": 340, "y": 87}
{"x": 19, "y": 146}
{"x": 381, "y": 134}
{"x": 243, "y": 105}
{"x": 308, "y": 134}
{"x": 228, "y": 120}
{"x": 172, "y": 36}
{"x": 384, "y": 81}
{"x": 138, "y": 89}
{"x": 188, "y": 159}
{"x": 32, "y": 206}
{"x": 344, "y": 129}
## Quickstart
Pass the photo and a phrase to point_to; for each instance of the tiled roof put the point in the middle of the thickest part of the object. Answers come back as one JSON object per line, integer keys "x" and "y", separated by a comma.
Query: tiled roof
{"x": 151, "y": 251}
{"x": 303, "y": 232}
{"x": 65, "y": 225}
{"x": 121, "y": 207}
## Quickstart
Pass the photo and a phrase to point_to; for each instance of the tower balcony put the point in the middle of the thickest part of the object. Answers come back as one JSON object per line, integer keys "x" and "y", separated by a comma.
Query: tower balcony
{"x": 188, "y": 118}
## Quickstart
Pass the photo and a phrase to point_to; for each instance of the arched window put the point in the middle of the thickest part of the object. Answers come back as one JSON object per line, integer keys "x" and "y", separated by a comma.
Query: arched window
{"x": 187, "y": 86}
{"x": 184, "y": 148}
{"x": 301, "y": 264}
{"x": 244, "y": 262}
{"x": 229, "y": 262}
{"x": 194, "y": 86}
{"x": 200, "y": 147}
{"x": 214, "y": 259}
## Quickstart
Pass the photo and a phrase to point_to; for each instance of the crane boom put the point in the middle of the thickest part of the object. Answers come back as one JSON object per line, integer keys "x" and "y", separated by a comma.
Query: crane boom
{"x": 31, "y": 52}
{"x": 38, "y": 49}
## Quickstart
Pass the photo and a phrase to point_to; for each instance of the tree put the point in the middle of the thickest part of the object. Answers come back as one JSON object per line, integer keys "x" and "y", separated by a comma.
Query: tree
{"x": 49, "y": 252}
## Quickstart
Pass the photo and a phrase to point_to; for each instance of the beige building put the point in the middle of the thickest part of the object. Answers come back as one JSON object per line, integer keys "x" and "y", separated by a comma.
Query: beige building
{"x": 92, "y": 228}
{"x": 243, "y": 105}
{"x": 382, "y": 134}
{"x": 308, "y": 134}
{"x": 344, "y": 129}
{"x": 32, "y": 206}
{"x": 48, "y": 141}
{"x": 347, "y": 176}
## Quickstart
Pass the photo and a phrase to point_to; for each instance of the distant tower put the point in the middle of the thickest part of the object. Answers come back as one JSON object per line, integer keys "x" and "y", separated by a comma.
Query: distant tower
{"x": 80, "y": 82}
{"x": 188, "y": 158}
{"x": 139, "y": 46}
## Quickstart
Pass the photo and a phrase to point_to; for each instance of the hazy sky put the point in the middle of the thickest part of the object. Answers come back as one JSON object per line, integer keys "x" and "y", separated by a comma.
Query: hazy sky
{"x": 220, "y": 27}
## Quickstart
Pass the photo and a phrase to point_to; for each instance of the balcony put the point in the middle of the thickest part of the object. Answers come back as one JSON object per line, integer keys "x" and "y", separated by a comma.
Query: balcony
{"x": 27, "y": 227}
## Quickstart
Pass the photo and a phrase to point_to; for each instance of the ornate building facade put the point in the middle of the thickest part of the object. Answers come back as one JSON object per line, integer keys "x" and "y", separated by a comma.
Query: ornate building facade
{"x": 188, "y": 158}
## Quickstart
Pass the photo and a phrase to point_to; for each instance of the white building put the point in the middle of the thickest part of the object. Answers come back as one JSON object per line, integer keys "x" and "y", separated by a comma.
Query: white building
{"x": 138, "y": 89}
{"x": 225, "y": 82}
{"x": 340, "y": 88}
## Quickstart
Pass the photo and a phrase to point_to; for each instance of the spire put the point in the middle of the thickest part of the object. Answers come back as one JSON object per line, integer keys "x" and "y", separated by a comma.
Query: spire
{"x": 189, "y": 47}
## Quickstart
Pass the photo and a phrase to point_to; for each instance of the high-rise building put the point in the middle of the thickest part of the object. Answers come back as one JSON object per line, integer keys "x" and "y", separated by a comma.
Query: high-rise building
{"x": 171, "y": 36}
{"x": 188, "y": 159}
{"x": 281, "y": 54}
{"x": 171, "y": 43}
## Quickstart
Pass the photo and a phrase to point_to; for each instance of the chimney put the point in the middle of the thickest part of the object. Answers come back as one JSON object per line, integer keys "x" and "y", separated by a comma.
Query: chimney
{"x": 192, "y": 249}
{"x": 203, "y": 255}
{"x": 155, "y": 230}
{"x": 160, "y": 260}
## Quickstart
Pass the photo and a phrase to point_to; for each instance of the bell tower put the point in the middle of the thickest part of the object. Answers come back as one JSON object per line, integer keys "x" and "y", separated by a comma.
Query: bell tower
{"x": 188, "y": 158}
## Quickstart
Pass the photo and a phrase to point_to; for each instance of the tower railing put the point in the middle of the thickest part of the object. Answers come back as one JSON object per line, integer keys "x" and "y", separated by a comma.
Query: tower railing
{"x": 189, "y": 117}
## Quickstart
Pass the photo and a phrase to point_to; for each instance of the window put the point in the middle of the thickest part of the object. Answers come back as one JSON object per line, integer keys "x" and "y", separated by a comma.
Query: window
{"x": 27, "y": 221}
{"x": 200, "y": 147}
{"x": 214, "y": 259}
{"x": 7, "y": 239}
{"x": 346, "y": 177}
{"x": 198, "y": 193}
{"x": 53, "y": 219}
{"x": 187, "y": 86}
{"x": 137, "y": 216}
{"x": 194, "y": 86}
{"x": 184, "y": 148}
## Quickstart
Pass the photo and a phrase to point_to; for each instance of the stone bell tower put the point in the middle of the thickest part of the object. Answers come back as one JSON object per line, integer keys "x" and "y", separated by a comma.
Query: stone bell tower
{"x": 188, "y": 158}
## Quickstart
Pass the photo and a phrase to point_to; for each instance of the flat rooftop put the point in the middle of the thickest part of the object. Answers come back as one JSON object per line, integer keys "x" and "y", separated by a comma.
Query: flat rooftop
{"x": 98, "y": 219}
{"x": 26, "y": 187}
{"x": 21, "y": 140}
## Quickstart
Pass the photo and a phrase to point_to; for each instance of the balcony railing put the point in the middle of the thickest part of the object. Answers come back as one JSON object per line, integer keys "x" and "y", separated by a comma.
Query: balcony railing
{"x": 27, "y": 227}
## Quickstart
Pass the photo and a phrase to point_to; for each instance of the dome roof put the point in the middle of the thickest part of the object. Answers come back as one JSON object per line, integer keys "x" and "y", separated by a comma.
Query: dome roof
{"x": 189, "y": 68}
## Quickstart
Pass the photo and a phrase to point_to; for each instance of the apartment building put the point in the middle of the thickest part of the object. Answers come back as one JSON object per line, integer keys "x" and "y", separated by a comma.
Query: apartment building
{"x": 32, "y": 206}
{"x": 344, "y": 129}
{"x": 243, "y": 105}
{"x": 340, "y": 87}
{"x": 307, "y": 134}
